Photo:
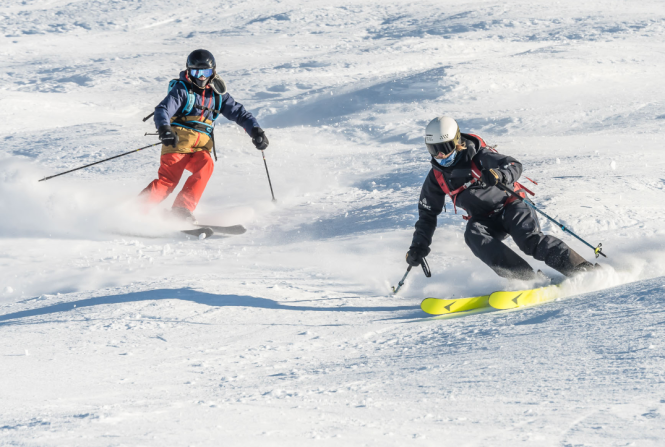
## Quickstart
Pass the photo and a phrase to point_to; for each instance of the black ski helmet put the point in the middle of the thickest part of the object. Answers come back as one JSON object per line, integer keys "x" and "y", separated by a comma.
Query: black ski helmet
{"x": 200, "y": 60}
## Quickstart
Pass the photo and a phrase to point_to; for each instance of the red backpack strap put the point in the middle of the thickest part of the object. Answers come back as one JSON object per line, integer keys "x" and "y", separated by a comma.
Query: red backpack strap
{"x": 475, "y": 173}
{"x": 441, "y": 181}
{"x": 482, "y": 142}
{"x": 444, "y": 186}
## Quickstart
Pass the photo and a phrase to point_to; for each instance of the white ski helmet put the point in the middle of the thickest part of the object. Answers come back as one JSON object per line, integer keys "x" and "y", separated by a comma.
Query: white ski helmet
{"x": 442, "y": 135}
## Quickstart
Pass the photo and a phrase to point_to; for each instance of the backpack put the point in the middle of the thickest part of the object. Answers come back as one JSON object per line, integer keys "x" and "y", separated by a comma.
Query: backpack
{"x": 191, "y": 99}
{"x": 218, "y": 89}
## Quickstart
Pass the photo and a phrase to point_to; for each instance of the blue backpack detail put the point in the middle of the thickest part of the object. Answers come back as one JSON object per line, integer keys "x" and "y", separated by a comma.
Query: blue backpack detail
{"x": 191, "y": 99}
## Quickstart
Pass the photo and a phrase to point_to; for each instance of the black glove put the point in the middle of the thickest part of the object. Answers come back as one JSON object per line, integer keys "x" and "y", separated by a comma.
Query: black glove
{"x": 492, "y": 176}
{"x": 167, "y": 136}
{"x": 415, "y": 255}
{"x": 259, "y": 138}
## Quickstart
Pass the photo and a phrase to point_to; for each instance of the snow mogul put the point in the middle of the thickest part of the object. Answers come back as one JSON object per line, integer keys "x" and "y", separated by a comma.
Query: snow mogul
{"x": 185, "y": 124}
{"x": 470, "y": 173}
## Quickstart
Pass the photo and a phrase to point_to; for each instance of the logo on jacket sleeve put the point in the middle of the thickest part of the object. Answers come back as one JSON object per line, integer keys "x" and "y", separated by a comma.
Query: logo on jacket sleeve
{"x": 424, "y": 204}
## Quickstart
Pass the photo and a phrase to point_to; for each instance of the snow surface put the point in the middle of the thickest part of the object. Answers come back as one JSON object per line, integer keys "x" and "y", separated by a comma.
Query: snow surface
{"x": 115, "y": 330}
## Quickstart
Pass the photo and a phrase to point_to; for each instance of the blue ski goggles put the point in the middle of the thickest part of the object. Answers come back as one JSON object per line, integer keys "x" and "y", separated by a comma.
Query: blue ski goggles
{"x": 205, "y": 72}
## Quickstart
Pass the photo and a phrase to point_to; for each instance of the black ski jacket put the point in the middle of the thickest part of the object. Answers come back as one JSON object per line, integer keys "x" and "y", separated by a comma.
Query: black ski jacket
{"x": 477, "y": 200}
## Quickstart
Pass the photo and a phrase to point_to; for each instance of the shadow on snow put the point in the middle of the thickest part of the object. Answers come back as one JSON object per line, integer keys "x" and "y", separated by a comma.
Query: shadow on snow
{"x": 188, "y": 294}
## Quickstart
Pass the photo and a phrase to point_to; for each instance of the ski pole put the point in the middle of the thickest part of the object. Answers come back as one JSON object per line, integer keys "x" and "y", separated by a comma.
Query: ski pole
{"x": 268, "y": 173}
{"x": 212, "y": 136}
{"x": 401, "y": 283}
{"x": 597, "y": 250}
{"x": 426, "y": 271}
{"x": 102, "y": 161}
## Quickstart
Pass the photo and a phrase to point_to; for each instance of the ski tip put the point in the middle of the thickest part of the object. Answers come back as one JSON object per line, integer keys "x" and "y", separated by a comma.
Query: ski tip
{"x": 237, "y": 229}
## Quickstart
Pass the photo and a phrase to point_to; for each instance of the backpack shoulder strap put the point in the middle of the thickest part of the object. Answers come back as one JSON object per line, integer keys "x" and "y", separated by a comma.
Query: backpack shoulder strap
{"x": 475, "y": 173}
{"x": 480, "y": 140}
{"x": 440, "y": 179}
{"x": 191, "y": 98}
{"x": 217, "y": 107}
{"x": 172, "y": 83}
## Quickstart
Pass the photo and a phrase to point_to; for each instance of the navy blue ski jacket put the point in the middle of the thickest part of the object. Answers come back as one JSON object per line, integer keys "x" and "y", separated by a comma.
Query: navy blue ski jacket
{"x": 175, "y": 101}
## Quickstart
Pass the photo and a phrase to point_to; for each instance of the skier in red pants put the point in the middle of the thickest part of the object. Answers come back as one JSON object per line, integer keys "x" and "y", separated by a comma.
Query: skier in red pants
{"x": 170, "y": 171}
{"x": 184, "y": 121}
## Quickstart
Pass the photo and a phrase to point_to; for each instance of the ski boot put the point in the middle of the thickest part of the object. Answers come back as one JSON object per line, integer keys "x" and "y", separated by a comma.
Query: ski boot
{"x": 585, "y": 267}
{"x": 183, "y": 214}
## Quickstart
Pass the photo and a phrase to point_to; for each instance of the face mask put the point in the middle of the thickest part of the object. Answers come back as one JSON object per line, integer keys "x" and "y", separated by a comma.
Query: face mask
{"x": 447, "y": 162}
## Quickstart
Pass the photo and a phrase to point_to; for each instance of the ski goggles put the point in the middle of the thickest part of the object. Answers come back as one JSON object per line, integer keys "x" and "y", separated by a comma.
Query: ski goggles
{"x": 204, "y": 72}
{"x": 445, "y": 147}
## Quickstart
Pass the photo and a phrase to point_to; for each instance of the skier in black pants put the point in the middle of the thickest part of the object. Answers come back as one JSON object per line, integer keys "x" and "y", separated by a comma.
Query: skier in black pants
{"x": 465, "y": 169}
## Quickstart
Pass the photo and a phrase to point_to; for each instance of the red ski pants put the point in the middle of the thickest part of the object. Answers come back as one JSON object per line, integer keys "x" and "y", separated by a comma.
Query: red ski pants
{"x": 170, "y": 171}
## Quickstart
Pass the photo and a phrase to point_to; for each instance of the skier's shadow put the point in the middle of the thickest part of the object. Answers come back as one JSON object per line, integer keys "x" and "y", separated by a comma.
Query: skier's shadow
{"x": 188, "y": 294}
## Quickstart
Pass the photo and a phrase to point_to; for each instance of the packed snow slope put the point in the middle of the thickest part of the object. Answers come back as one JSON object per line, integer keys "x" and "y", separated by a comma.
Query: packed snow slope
{"x": 117, "y": 330}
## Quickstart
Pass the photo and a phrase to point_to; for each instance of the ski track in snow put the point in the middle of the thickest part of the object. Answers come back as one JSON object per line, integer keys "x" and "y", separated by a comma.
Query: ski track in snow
{"x": 115, "y": 330}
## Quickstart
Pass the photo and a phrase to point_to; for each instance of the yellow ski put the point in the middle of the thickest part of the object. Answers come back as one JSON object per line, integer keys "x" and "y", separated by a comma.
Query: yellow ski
{"x": 438, "y": 306}
{"x": 519, "y": 298}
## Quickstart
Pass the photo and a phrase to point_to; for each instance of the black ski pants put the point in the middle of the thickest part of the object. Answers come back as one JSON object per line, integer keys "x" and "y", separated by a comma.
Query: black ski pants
{"x": 485, "y": 235}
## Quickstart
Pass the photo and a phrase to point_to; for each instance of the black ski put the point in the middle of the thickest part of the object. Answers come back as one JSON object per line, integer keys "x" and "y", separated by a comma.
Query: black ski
{"x": 206, "y": 231}
{"x": 233, "y": 229}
